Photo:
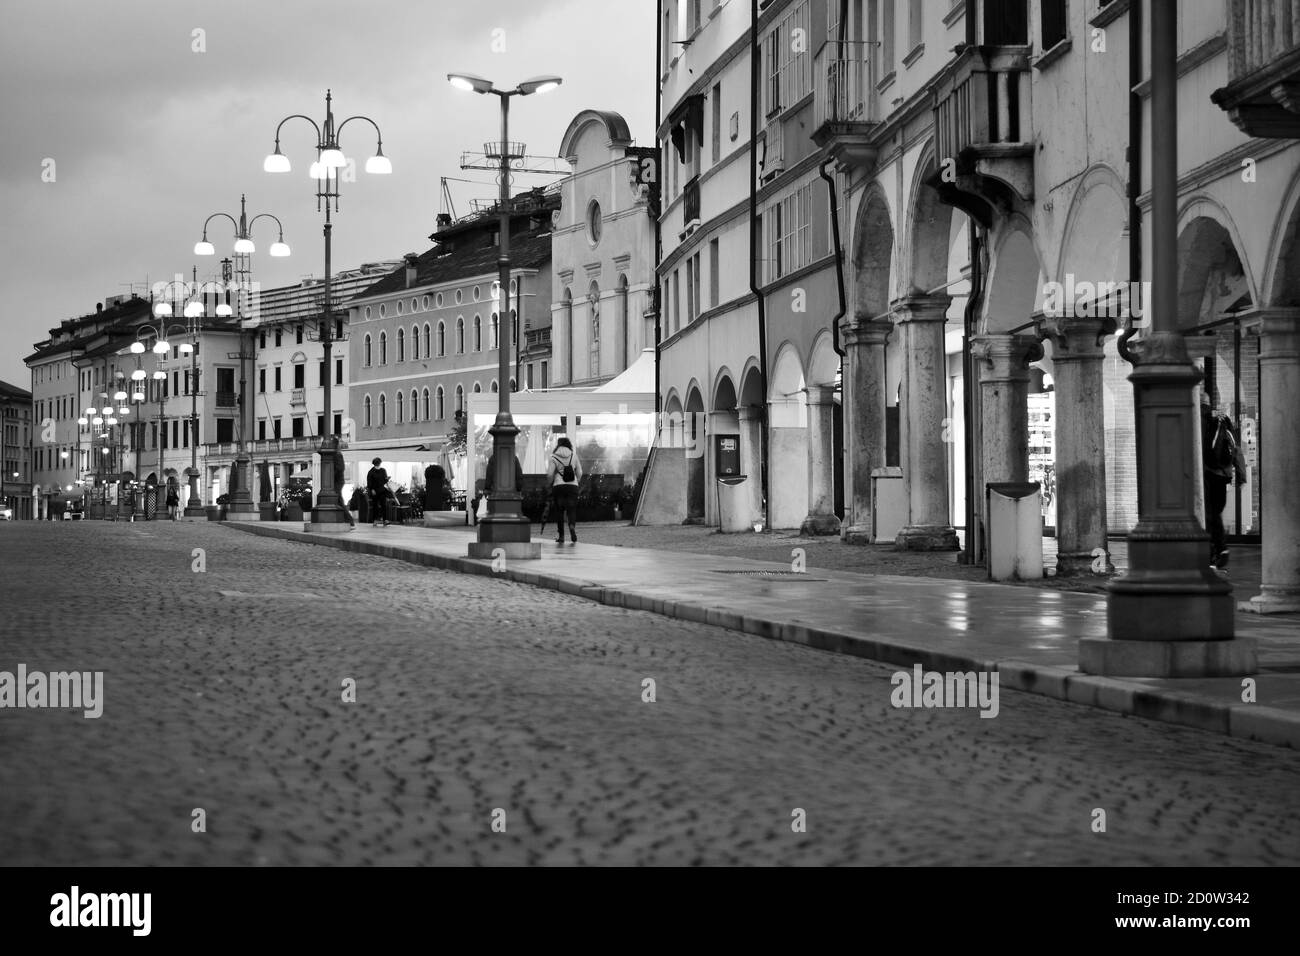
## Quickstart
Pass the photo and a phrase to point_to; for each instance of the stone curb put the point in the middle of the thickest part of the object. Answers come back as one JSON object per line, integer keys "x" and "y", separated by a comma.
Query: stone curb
{"x": 1256, "y": 722}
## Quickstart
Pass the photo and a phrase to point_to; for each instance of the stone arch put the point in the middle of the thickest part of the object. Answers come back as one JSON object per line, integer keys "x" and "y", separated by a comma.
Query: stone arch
{"x": 695, "y": 440}
{"x": 1013, "y": 282}
{"x": 930, "y": 226}
{"x": 724, "y": 391}
{"x": 824, "y": 361}
{"x": 1212, "y": 271}
{"x": 751, "y": 384}
{"x": 1281, "y": 276}
{"x": 1095, "y": 238}
{"x": 873, "y": 255}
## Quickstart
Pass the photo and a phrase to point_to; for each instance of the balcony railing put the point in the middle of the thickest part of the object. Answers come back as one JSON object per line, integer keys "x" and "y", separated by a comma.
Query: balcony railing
{"x": 773, "y": 155}
{"x": 691, "y": 201}
{"x": 265, "y": 446}
{"x": 298, "y": 396}
{"x": 844, "y": 87}
{"x": 537, "y": 338}
{"x": 982, "y": 100}
{"x": 1262, "y": 97}
{"x": 226, "y": 400}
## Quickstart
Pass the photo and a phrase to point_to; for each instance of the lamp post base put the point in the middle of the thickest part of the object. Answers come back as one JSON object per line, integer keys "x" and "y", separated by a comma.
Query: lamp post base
{"x": 516, "y": 550}
{"x": 1236, "y": 657}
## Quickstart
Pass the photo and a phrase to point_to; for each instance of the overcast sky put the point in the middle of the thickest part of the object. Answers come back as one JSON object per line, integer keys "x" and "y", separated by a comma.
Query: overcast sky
{"x": 148, "y": 137}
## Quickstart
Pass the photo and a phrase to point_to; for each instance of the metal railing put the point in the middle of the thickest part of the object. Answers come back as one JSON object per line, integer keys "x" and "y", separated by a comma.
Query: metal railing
{"x": 265, "y": 445}
{"x": 226, "y": 400}
{"x": 844, "y": 90}
{"x": 773, "y": 149}
{"x": 691, "y": 201}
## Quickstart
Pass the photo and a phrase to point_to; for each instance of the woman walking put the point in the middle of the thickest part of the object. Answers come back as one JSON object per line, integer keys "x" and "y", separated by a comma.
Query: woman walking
{"x": 563, "y": 473}
{"x": 173, "y": 502}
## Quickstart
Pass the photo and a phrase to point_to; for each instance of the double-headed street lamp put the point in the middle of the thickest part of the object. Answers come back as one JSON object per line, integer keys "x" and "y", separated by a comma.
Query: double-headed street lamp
{"x": 241, "y": 498}
{"x": 193, "y": 314}
{"x": 329, "y": 160}
{"x": 505, "y": 525}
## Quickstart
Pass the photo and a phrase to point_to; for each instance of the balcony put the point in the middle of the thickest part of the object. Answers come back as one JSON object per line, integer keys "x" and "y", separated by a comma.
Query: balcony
{"x": 264, "y": 447}
{"x": 844, "y": 115}
{"x": 537, "y": 339}
{"x": 691, "y": 204}
{"x": 1263, "y": 93}
{"x": 772, "y": 158}
{"x": 984, "y": 153}
{"x": 227, "y": 399}
{"x": 298, "y": 396}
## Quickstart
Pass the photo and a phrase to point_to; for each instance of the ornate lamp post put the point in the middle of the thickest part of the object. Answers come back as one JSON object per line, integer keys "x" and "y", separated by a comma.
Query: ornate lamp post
{"x": 241, "y": 498}
{"x": 329, "y": 160}
{"x": 505, "y": 526}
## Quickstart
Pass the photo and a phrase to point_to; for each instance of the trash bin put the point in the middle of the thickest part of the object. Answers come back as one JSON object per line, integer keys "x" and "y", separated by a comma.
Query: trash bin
{"x": 1015, "y": 531}
{"x": 733, "y": 505}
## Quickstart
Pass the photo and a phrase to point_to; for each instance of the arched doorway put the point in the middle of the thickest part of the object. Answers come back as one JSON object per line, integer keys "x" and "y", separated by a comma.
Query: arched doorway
{"x": 693, "y": 429}
{"x": 787, "y": 441}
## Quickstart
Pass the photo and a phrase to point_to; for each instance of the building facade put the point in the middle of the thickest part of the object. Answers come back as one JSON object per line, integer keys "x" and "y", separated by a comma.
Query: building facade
{"x": 16, "y": 490}
{"x": 602, "y": 249}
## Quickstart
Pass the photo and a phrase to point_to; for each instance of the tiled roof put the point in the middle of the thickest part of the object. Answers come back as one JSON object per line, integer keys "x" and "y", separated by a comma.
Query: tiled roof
{"x": 14, "y": 392}
{"x": 471, "y": 255}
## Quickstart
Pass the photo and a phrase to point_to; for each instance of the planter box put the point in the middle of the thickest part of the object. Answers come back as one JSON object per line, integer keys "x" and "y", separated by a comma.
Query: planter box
{"x": 595, "y": 513}
{"x": 213, "y": 512}
{"x": 266, "y": 510}
{"x": 291, "y": 513}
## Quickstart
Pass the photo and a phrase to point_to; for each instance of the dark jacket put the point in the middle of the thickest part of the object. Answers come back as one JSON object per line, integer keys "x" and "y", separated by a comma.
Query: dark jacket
{"x": 377, "y": 478}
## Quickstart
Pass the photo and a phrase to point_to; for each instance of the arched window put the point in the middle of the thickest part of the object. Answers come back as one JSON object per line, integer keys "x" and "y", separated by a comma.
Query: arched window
{"x": 477, "y": 388}
{"x": 427, "y": 340}
{"x": 593, "y": 300}
{"x": 460, "y": 398}
{"x": 383, "y": 409}
{"x": 478, "y": 334}
{"x": 460, "y": 335}
{"x": 494, "y": 386}
{"x": 424, "y": 405}
{"x": 492, "y": 335}
{"x": 415, "y": 343}
{"x": 624, "y": 324}
{"x": 383, "y": 348}
{"x": 365, "y": 351}
{"x": 365, "y": 410}
{"x": 442, "y": 339}
{"x": 439, "y": 409}
{"x": 415, "y": 406}
{"x": 567, "y": 332}
{"x": 513, "y": 386}
{"x": 401, "y": 405}
{"x": 514, "y": 329}
{"x": 401, "y": 345}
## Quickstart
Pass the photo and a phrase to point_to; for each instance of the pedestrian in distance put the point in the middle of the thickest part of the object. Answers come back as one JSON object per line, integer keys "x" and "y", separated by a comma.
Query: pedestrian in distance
{"x": 173, "y": 503}
{"x": 1221, "y": 462}
{"x": 377, "y": 485}
{"x": 563, "y": 473}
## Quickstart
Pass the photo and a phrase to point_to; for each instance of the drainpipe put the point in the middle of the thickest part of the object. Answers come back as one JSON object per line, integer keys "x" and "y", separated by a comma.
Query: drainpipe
{"x": 655, "y": 297}
{"x": 839, "y": 263}
{"x": 1134, "y": 165}
{"x": 753, "y": 254}
{"x": 974, "y": 302}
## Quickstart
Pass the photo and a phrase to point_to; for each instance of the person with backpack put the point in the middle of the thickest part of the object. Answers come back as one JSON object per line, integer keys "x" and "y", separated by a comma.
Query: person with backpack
{"x": 563, "y": 474}
{"x": 1221, "y": 460}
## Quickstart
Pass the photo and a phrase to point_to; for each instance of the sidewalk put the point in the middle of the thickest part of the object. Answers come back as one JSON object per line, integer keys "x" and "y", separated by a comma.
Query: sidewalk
{"x": 1028, "y": 634}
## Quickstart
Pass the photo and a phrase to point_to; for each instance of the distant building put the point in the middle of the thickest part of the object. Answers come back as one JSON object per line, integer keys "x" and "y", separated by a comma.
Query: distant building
{"x": 16, "y": 420}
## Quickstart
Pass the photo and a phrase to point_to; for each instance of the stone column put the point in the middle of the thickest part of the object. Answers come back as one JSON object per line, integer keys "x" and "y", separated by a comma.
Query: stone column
{"x": 923, "y": 453}
{"x": 821, "y": 462}
{"x": 1004, "y": 385}
{"x": 1200, "y": 349}
{"x": 751, "y": 438}
{"x": 1279, "y": 445}
{"x": 1080, "y": 430}
{"x": 864, "y": 408}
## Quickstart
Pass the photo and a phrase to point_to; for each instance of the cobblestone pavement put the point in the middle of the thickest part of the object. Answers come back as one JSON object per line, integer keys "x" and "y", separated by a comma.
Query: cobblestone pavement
{"x": 223, "y": 692}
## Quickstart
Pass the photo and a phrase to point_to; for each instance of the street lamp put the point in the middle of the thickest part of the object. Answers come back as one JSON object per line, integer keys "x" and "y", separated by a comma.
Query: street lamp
{"x": 505, "y": 526}
{"x": 329, "y": 160}
{"x": 241, "y": 499}
{"x": 193, "y": 313}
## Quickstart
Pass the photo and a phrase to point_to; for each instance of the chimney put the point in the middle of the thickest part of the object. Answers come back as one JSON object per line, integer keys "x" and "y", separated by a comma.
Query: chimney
{"x": 99, "y": 307}
{"x": 410, "y": 258}
{"x": 444, "y": 220}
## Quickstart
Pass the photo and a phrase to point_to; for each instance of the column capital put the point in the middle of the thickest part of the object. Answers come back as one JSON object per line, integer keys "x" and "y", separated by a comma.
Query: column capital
{"x": 749, "y": 413}
{"x": 1075, "y": 337}
{"x": 820, "y": 394}
{"x": 869, "y": 334}
{"x": 1006, "y": 356}
{"x": 921, "y": 308}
